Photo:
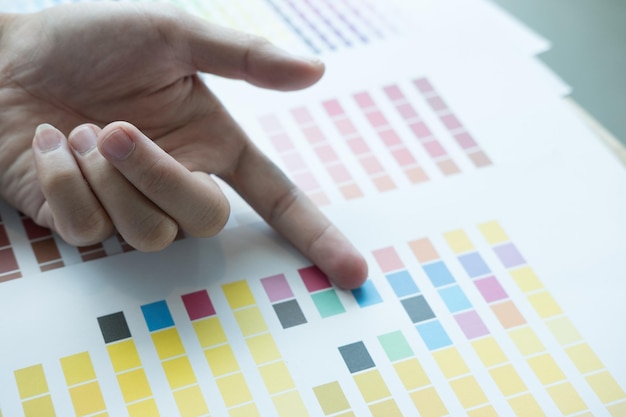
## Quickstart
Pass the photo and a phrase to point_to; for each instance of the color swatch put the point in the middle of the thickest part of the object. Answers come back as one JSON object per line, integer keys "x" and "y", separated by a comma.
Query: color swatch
{"x": 283, "y": 301}
{"x": 452, "y": 123}
{"x": 433, "y": 147}
{"x": 358, "y": 146}
{"x": 332, "y": 400}
{"x": 43, "y": 244}
{"x": 34, "y": 392}
{"x": 297, "y": 168}
{"x": 396, "y": 145}
{"x": 326, "y": 154}
{"x": 9, "y": 269}
{"x": 322, "y": 292}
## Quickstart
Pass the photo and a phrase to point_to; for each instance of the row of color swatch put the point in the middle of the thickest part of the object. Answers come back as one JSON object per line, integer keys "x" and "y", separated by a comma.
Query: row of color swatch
{"x": 45, "y": 250}
{"x": 479, "y": 335}
{"x": 375, "y": 143}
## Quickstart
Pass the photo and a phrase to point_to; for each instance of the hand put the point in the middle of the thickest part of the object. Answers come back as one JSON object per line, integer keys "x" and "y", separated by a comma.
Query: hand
{"x": 83, "y": 68}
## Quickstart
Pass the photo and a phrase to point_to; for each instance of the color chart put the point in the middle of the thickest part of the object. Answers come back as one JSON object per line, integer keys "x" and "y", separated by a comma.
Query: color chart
{"x": 384, "y": 141}
{"x": 455, "y": 324}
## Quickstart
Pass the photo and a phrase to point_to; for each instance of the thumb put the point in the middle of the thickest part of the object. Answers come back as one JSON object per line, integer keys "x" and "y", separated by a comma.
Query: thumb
{"x": 233, "y": 54}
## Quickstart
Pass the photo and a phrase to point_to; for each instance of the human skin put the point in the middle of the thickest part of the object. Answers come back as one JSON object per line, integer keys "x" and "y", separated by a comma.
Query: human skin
{"x": 106, "y": 127}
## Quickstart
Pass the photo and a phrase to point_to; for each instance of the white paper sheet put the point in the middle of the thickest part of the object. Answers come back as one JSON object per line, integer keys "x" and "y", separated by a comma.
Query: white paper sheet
{"x": 501, "y": 280}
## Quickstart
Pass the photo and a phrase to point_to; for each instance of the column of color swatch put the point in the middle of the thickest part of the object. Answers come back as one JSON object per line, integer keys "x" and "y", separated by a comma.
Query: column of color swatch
{"x": 369, "y": 381}
{"x": 332, "y": 400}
{"x": 326, "y": 154}
{"x": 415, "y": 380}
{"x": 176, "y": 365}
{"x": 359, "y": 147}
{"x": 127, "y": 366}
{"x": 431, "y": 144}
{"x": 322, "y": 292}
{"x": 263, "y": 348}
{"x": 34, "y": 393}
{"x": 9, "y": 269}
{"x": 396, "y": 146}
{"x": 350, "y": 18}
{"x": 543, "y": 365}
{"x": 83, "y": 386}
{"x": 500, "y": 368}
{"x": 296, "y": 167}
{"x": 43, "y": 244}
{"x": 283, "y": 301}
{"x": 467, "y": 389}
{"x": 581, "y": 354}
{"x": 452, "y": 123}
{"x": 219, "y": 354}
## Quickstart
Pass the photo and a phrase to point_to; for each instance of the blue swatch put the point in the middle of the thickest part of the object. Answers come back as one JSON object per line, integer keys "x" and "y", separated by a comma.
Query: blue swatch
{"x": 157, "y": 316}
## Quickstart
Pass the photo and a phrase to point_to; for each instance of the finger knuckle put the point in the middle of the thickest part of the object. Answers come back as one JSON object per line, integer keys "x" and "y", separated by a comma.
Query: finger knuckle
{"x": 157, "y": 178}
{"x": 156, "y": 232}
{"x": 87, "y": 226}
{"x": 62, "y": 180}
{"x": 212, "y": 219}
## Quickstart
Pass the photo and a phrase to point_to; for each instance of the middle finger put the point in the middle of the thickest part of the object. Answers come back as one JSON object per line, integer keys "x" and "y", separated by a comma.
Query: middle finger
{"x": 140, "y": 222}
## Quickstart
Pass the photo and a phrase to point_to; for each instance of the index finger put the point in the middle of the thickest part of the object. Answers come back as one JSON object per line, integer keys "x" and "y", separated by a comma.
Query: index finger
{"x": 230, "y": 53}
{"x": 286, "y": 208}
{"x": 193, "y": 199}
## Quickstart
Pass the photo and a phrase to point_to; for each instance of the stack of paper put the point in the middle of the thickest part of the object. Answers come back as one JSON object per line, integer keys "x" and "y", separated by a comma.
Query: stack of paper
{"x": 490, "y": 213}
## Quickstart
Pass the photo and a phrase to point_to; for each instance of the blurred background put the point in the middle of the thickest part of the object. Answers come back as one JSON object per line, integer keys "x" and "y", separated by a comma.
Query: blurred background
{"x": 588, "y": 51}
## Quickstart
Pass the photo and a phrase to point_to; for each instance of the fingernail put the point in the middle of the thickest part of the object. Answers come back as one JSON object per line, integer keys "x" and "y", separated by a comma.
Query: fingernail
{"x": 83, "y": 140}
{"x": 117, "y": 145}
{"x": 313, "y": 60}
{"x": 47, "y": 138}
